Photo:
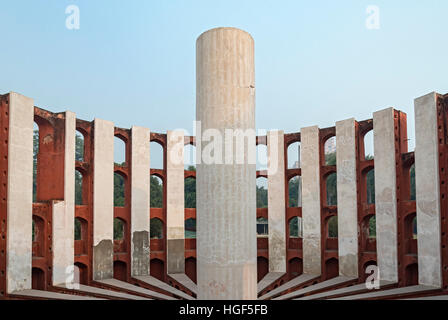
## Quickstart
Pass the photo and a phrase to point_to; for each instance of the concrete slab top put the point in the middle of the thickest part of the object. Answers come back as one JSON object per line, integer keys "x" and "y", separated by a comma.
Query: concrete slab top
{"x": 390, "y": 292}
{"x": 319, "y": 286}
{"x": 290, "y": 284}
{"x": 164, "y": 286}
{"x": 131, "y": 287}
{"x": 51, "y": 295}
{"x": 268, "y": 279}
{"x": 346, "y": 290}
{"x": 109, "y": 293}
{"x": 183, "y": 279}
{"x": 445, "y": 297}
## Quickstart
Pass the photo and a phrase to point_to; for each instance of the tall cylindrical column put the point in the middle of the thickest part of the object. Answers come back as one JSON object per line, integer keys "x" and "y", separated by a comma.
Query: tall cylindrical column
{"x": 226, "y": 186}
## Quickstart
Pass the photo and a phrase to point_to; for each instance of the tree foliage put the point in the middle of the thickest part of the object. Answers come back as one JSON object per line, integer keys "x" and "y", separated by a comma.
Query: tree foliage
{"x": 156, "y": 191}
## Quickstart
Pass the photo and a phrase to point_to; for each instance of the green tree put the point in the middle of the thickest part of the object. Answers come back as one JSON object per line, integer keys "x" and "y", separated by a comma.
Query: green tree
{"x": 79, "y": 147}
{"x": 293, "y": 191}
{"x": 262, "y": 197}
{"x": 118, "y": 190}
{"x": 190, "y": 190}
{"x": 156, "y": 192}
{"x": 118, "y": 229}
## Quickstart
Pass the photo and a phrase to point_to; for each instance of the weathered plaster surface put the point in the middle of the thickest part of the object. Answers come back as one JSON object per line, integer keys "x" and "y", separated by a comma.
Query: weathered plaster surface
{"x": 140, "y": 186}
{"x": 103, "y": 202}
{"x": 311, "y": 200}
{"x": 103, "y": 254}
{"x": 347, "y": 198}
{"x": 385, "y": 194}
{"x": 226, "y": 202}
{"x": 427, "y": 191}
{"x": 20, "y": 192}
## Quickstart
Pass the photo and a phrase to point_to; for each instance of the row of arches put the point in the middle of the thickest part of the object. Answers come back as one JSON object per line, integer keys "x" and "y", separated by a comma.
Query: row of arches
{"x": 293, "y": 151}
{"x": 156, "y": 228}
{"x": 157, "y": 152}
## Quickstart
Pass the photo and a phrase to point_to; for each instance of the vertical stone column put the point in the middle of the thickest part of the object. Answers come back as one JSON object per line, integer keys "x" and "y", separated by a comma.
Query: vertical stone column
{"x": 311, "y": 200}
{"x": 385, "y": 194}
{"x": 175, "y": 212}
{"x": 276, "y": 201}
{"x": 20, "y": 193}
{"x": 428, "y": 191}
{"x": 347, "y": 198}
{"x": 226, "y": 201}
{"x": 64, "y": 211}
{"x": 103, "y": 200}
{"x": 140, "y": 185}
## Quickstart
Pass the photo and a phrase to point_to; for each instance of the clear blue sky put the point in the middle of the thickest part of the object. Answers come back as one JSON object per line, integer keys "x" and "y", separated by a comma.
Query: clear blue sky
{"x": 133, "y": 62}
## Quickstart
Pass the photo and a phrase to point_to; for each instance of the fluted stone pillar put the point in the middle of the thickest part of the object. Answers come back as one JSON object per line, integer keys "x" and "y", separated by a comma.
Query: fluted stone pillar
{"x": 226, "y": 202}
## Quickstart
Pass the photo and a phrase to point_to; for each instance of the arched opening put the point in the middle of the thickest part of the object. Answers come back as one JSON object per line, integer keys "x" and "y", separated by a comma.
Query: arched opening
{"x": 295, "y": 267}
{"x": 190, "y": 192}
{"x": 369, "y": 271}
{"x": 35, "y": 153}
{"x": 190, "y": 157}
{"x": 119, "y": 235}
{"x": 80, "y": 229}
{"x": 190, "y": 228}
{"x": 156, "y": 228}
{"x": 414, "y": 228}
{"x": 119, "y": 229}
{"x": 120, "y": 270}
{"x": 157, "y": 269}
{"x": 119, "y": 151}
{"x": 79, "y": 195}
{"x": 262, "y": 157}
{"x": 38, "y": 236}
{"x": 80, "y": 236}
{"x": 119, "y": 192}
{"x": 331, "y": 268}
{"x": 262, "y": 267}
{"x": 156, "y": 191}
{"x": 262, "y": 227}
{"x": 368, "y": 235}
{"x": 368, "y": 145}
{"x": 295, "y": 192}
{"x": 81, "y": 274}
{"x": 262, "y": 192}
{"x": 370, "y": 186}
{"x": 38, "y": 279}
{"x": 190, "y": 268}
{"x": 330, "y": 151}
{"x": 372, "y": 227}
{"x": 332, "y": 227}
{"x": 331, "y": 188}
{"x": 412, "y": 274}
{"x": 295, "y": 227}
{"x": 410, "y": 233}
{"x": 79, "y": 146}
{"x": 412, "y": 181}
{"x": 293, "y": 155}
{"x": 156, "y": 155}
